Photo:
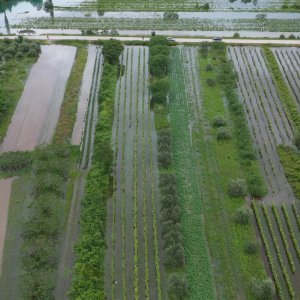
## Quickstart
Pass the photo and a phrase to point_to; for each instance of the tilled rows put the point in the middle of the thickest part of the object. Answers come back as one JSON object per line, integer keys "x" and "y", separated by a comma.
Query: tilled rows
{"x": 267, "y": 119}
{"x": 133, "y": 267}
{"x": 289, "y": 63}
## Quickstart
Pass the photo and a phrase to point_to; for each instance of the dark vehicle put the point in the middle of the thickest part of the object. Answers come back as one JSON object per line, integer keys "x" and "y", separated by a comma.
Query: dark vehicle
{"x": 217, "y": 39}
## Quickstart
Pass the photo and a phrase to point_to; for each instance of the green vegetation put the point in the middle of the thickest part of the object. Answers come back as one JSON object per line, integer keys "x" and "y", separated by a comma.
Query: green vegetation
{"x": 223, "y": 188}
{"x": 284, "y": 93}
{"x": 16, "y": 58}
{"x": 88, "y": 281}
{"x": 68, "y": 109}
{"x": 15, "y": 163}
{"x": 290, "y": 160}
{"x": 249, "y": 164}
{"x": 42, "y": 227}
{"x": 198, "y": 267}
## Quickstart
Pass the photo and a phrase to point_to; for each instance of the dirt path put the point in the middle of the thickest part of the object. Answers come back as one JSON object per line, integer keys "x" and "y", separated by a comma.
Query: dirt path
{"x": 5, "y": 190}
{"x": 38, "y": 109}
{"x": 84, "y": 96}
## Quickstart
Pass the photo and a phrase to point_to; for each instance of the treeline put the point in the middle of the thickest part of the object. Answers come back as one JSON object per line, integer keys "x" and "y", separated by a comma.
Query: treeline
{"x": 174, "y": 260}
{"x": 248, "y": 161}
{"x": 88, "y": 280}
{"x": 42, "y": 228}
{"x": 18, "y": 48}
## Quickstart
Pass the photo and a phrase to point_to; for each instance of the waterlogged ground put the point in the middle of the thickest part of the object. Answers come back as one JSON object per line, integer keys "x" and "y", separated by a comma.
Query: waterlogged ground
{"x": 37, "y": 112}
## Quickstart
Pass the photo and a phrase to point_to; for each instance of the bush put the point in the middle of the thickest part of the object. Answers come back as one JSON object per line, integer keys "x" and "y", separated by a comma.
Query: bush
{"x": 297, "y": 141}
{"x": 223, "y": 134}
{"x": 158, "y": 65}
{"x": 237, "y": 188}
{"x": 282, "y": 36}
{"x": 219, "y": 121}
{"x": 263, "y": 290}
{"x": 210, "y": 82}
{"x": 236, "y": 35}
{"x": 171, "y": 15}
{"x": 178, "y": 287}
{"x": 251, "y": 248}
{"x": 159, "y": 90}
{"x": 112, "y": 50}
{"x": 242, "y": 216}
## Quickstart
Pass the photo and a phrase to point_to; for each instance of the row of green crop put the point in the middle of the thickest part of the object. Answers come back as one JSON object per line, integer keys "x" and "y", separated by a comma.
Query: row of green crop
{"x": 284, "y": 238}
{"x": 291, "y": 230}
{"x": 267, "y": 250}
{"x": 284, "y": 93}
{"x": 297, "y": 216}
{"x": 88, "y": 281}
{"x": 278, "y": 253}
{"x": 198, "y": 268}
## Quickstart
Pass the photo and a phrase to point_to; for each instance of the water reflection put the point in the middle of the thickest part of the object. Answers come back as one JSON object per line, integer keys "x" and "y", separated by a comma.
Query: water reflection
{"x": 7, "y": 5}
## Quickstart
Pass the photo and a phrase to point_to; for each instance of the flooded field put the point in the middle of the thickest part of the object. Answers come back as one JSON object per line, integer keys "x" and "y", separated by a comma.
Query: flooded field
{"x": 5, "y": 190}
{"x": 37, "y": 112}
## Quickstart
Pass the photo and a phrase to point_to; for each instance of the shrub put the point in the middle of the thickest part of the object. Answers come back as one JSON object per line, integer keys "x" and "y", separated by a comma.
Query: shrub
{"x": 251, "y": 248}
{"x": 242, "y": 216}
{"x": 219, "y": 121}
{"x": 171, "y": 15}
{"x": 236, "y": 35}
{"x": 158, "y": 65}
{"x": 210, "y": 82}
{"x": 237, "y": 188}
{"x": 263, "y": 290}
{"x": 208, "y": 68}
{"x": 178, "y": 287}
{"x": 159, "y": 89}
{"x": 297, "y": 141}
{"x": 223, "y": 134}
{"x": 111, "y": 51}
{"x": 282, "y": 36}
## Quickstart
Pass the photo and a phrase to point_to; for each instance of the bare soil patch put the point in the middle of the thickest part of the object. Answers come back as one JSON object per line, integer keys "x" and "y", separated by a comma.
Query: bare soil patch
{"x": 38, "y": 109}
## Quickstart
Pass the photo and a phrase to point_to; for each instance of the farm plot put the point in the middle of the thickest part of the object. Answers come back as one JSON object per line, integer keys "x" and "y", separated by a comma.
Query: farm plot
{"x": 279, "y": 229}
{"x": 288, "y": 60}
{"x": 38, "y": 109}
{"x": 266, "y": 117}
{"x": 5, "y": 190}
{"x": 198, "y": 268}
{"x": 133, "y": 268}
{"x": 85, "y": 92}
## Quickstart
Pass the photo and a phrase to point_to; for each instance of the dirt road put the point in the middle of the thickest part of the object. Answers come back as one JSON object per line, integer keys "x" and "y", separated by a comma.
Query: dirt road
{"x": 5, "y": 190}
{"x": 37, "y": 112}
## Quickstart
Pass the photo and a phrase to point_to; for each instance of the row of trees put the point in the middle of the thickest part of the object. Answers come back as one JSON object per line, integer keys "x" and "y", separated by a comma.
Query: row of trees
{"x": 170, "y": 210}
{"x": 18, "y": 48}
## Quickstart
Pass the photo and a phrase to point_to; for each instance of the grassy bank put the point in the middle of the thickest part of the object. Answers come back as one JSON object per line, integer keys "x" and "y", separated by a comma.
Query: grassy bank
{"x": 68, "y": 109}
{"x": 222, "y": 160}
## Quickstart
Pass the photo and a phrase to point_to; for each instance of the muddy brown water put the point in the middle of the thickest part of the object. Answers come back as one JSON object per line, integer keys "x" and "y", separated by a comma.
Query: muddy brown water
{"x": 38, "y": 109}
{"x": 84, "y": 96}
{"x": 5, "y": 190}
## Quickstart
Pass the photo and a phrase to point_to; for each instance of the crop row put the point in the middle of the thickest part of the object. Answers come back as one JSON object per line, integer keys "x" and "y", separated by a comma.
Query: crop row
{"x": 297, "y": 216}
{"x": 291, "y": 230}
{"x": 284, "y": 238}
{"x": 267, "y": 250}
{"x": 278, "y": 253}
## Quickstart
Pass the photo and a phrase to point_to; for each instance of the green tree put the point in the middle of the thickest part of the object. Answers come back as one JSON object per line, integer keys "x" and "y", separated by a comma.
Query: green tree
{"x": 112, "y": 49}
{"x": 159, "y": 90}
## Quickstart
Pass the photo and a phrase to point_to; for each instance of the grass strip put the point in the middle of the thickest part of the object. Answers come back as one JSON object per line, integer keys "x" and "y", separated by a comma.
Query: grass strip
{"x": 67, "y": 118}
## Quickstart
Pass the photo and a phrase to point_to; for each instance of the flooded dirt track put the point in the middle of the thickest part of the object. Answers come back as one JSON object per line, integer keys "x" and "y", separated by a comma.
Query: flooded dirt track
{"x": 266, "y": 118}
{"x": 84, "y": 95}
{"x": 38, "y": 109}
{"x": 5, "y": 190}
